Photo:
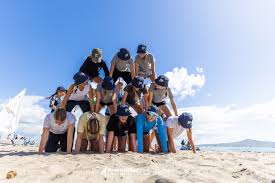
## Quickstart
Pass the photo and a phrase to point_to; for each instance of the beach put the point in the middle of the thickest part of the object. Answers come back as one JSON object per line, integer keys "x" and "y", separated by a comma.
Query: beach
{"x": 204, "y": 166}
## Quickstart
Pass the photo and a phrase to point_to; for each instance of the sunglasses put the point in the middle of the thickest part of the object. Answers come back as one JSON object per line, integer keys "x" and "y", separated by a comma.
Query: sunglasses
{"x": 153, "y": 115}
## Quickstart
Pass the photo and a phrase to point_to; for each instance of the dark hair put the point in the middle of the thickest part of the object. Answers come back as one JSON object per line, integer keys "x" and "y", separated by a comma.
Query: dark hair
{"x": 93, "y": 126}
{"x": 60, "y": 114}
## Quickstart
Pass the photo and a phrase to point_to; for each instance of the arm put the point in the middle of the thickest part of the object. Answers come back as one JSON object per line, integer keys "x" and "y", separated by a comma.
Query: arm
{"x": 83, "y": 67}
{"x": 136, "y": 68}
{"x": 43, "y": 141}
{"x": 162, "y": 135}
{"x": 139, "y": 126}
{"x": 171, "y": 140}
{"x": 133, "y": 142}
{"x": 174, "y": 106}
{"x": 105, "y": 68}
{"x": 132, "y": 69}
{"x": 123, "y": 100}
{"x": 153, "y": 71}
{"x": 150, "y": 98}
{"x": 112, "y": 68}
{"x": 100, "y": 144}
{"x": 98, "y": 97}
{"x": 70, "y": 137}
{"x": 109, "y": 143}
{"x": 115, "y": 102}
{"x": 190, "y": 139}
{"x": 91, "y": 98}
{"x": 146, "y": 101}
{"x": 78, "y": 142}
{"x": 67, "y": 96}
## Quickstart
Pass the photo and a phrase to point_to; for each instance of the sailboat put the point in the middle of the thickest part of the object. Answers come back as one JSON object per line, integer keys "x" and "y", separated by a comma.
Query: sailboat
{"x": 9, "y": 119}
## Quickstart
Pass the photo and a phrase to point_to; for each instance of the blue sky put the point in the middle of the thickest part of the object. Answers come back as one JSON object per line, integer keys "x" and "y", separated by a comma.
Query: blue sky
{"x": 44, "y": 43}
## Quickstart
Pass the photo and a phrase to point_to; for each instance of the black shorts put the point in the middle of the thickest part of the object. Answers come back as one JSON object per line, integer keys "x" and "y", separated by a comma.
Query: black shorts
{"x": 126, "y": 76}
{"x": 159, "y": 104}
{"x": 57, "y": 141}
{"x": 104, "y": 104}
{"x": 83, "y": 104}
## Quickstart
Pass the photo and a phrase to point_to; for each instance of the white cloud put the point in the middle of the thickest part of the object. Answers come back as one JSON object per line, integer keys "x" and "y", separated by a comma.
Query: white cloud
{"x": 214, "y": 124}
{"x": 184, "y": 84}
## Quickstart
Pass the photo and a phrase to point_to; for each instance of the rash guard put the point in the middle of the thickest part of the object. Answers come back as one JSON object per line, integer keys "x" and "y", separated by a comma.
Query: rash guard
{"x": 143, "y": 126}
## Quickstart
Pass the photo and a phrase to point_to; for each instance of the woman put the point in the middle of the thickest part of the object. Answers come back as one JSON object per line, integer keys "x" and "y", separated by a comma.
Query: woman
{"x": 175, "y": 127}
{"x": 78, "y": 94}
{"x": 58, "y": 130}
{"x": 93, "y": 64}
{"x": 55, "y": 99}
{"x": 106, "y": 95}
{"x": 121, "y": 125}
{"x": 91, "y": 129}
{"x": 145, "y": 63}
{"x": 133, "y": 95}
{"x": 122, "y": 66}
{"x": 144, "y": 124}
{"x": 158, "y": 92}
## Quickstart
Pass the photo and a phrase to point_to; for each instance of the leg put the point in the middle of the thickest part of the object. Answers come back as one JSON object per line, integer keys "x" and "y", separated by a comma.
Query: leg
{"x": 97, "y": 79}
{"x": 84, "y": 105}
{"x": 127, "y": 77}
{"x": 70, "y": 105}
{"x": 146, "y": 143}
{"x": 165, "y": 108}
{"x": 132, "y": 142}
{"x": 116, "y": 75}
{"x": 111, "y": 109}
{"x": 63, "y": 141}
{"x": 52, "y": 143}
{"x": 138, "y": 108}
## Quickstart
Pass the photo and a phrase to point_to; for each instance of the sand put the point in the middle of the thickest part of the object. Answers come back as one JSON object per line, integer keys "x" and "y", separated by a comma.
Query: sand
{"x": 205, "y": 166}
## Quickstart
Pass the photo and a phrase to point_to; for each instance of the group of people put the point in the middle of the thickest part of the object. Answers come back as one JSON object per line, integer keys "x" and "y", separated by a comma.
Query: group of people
{"x": 135, "y": 114}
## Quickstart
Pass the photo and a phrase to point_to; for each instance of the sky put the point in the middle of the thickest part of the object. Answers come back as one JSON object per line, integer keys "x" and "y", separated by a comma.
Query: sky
{"x": 219, "y": 55}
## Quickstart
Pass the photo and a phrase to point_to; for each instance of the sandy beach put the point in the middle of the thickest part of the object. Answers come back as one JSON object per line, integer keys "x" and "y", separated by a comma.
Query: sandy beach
{"x": 132, "y": 167}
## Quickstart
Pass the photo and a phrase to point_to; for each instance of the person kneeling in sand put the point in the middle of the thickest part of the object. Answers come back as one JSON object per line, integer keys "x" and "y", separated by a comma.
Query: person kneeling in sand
{"x": 144, "y": 124}
{"x": 58, "y": 131}
{"x": 91, "y": 128}
{"x": 120, "y": 125}
{"x": 175, "y": 126}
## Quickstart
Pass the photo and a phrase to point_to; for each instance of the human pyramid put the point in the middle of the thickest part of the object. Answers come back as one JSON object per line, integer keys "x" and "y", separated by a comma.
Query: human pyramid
{"x": 134, "y": 116}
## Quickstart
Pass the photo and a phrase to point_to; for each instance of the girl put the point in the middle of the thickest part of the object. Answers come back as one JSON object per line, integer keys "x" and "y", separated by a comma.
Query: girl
{"x": 145, "y": 63}
{"x": 121, "y": 125}
{"x": 158, "y": 92}
{"x": 91, "y": 129}
{"x": 106, "y": 95}
{"x": 78, "y": 94}
{"x": 55, "y": 99}
{"x": 132, "y": 94}
{"x": 122, "y": 66}
{"x": 175, "y": 126}
{"x": 144, "y": 124}
{"x": 58, "y": 130}
{"x": 93, "y": 64}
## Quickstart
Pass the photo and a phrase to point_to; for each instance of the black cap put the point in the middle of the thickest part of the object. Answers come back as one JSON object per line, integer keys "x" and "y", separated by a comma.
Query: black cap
{"x": 108, "y": 83}
{"x": 142, "y": 48}
{"x": 123, "y": 110}
{"x": 138, "y": 82}
{"x": 162, "y": 81}
{"x": 124, "y": 54}
{"x": 79, "y": 78}
{"x": 185, "y": 120}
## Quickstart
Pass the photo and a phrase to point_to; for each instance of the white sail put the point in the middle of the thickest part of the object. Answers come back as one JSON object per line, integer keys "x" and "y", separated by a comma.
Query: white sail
{"x": 11, "y": 114}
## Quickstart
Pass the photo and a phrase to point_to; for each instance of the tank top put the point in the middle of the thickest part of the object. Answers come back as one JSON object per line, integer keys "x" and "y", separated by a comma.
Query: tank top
{"x": 78, "y": 95}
